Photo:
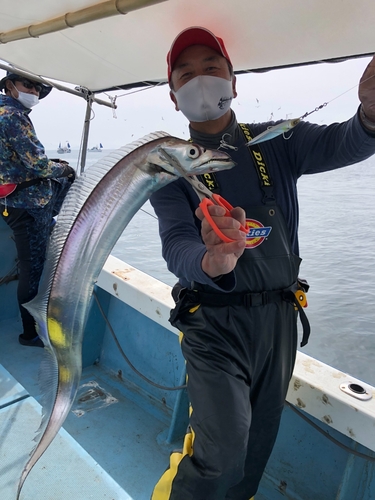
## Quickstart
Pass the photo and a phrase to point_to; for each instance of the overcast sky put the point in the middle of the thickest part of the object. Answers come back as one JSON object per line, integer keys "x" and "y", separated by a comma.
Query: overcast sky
{"x": 278, "y": 94}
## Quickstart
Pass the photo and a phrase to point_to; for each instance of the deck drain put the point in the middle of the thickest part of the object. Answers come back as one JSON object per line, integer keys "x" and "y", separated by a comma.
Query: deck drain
{"x": 91, "y": 397}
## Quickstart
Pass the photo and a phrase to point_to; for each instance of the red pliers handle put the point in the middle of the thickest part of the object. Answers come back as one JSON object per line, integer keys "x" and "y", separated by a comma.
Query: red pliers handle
{"x": 216, "y": 199}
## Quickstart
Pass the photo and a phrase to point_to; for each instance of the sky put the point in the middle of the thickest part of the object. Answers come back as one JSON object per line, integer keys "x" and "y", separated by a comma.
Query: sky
{"x": 277, "y": 94}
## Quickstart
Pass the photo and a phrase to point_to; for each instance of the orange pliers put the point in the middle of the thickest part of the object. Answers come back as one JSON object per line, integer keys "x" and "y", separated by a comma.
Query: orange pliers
{"x": 206, "y": 198}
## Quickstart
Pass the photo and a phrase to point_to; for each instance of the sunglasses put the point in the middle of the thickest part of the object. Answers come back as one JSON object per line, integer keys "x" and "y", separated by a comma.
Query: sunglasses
{"x": 30, "y": 85}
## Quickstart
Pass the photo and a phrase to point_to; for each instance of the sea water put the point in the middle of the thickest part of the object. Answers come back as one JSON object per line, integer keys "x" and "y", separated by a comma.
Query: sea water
{"x": 337, "y": 245}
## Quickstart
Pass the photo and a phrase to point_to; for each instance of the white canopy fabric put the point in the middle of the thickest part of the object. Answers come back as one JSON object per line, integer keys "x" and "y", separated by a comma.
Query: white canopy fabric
{"x": 126, "y": 50}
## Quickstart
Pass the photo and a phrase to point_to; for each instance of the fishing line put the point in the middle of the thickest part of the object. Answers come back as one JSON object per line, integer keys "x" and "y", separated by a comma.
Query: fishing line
{"x": 334, "y": 98}
{"x": 286, "y": 125}
{"x": 165, "y": 388}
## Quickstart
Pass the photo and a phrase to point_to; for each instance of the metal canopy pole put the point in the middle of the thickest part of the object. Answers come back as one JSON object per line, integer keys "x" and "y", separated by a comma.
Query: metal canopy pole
{"x": 78, "y": 91}
{"x": 86, "y": 130}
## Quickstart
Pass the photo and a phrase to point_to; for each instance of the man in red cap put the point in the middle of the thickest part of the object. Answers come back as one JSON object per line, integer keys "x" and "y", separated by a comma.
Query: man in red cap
{"x": 235, "y": 302}
{"x": 214, "y": 87}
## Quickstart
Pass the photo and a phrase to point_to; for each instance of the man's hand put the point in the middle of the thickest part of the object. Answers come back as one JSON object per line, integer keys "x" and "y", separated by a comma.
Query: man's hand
{"x": 221, "y": 258}
{"x": 68, "y": 172}
{"x": 58, "y": 160}
{"x": 366, "y": 91}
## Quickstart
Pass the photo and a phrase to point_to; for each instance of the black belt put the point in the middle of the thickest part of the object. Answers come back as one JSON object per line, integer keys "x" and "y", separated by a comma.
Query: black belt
{"x": 250, "y": 299}
{"x": 187, "y": 298}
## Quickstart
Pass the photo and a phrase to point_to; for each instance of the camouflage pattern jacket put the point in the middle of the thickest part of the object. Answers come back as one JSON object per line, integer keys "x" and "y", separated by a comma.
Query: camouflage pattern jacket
{"x": 22, "y": 157}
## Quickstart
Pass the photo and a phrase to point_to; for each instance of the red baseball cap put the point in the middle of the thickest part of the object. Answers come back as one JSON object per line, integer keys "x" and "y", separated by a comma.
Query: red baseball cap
{"x": 194, "y": 36}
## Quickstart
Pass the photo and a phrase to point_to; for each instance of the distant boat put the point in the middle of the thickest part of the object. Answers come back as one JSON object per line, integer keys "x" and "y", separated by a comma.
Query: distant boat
{"x": 96, "y": 149}
{"x": 64, "y": 149}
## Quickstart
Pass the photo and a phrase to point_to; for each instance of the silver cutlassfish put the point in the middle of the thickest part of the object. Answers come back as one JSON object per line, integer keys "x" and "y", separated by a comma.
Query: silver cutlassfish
{"x": 98, "y": 207}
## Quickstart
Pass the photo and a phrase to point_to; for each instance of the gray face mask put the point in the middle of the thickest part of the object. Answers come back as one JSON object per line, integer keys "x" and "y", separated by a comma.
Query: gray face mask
{"x": 204, "y": 98}
{"x": 28, "y": 100}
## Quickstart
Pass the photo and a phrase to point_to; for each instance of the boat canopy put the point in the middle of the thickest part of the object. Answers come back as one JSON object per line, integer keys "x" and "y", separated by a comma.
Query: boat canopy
{"x": 123, "y": 43}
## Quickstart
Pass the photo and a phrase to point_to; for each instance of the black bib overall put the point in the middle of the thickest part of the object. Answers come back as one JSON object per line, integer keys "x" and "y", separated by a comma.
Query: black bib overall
{"x": 240, "y": 350}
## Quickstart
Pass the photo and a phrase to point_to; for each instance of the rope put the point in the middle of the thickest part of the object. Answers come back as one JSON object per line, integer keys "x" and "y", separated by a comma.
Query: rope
{"x": 9, "y": 276}
{"x": 165, "y": 388}
{"x": 365, "y": 456}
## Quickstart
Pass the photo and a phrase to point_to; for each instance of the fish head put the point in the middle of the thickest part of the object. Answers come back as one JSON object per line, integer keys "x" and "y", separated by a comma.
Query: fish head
{"x": 174, "y": 155}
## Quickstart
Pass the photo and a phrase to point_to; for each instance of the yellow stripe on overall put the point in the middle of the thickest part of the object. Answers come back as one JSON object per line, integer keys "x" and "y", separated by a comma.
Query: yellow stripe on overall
{"x": 163, "y": 488}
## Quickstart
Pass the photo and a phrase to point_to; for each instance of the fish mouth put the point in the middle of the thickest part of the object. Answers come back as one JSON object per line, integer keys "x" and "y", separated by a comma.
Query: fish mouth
{"x": 217, "y": 164}
{"x": 206, "y": 161}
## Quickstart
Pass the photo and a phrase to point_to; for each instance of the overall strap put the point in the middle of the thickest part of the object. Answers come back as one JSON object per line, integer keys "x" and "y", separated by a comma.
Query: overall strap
{"x": 264, "y": 177}
{"x": 210, "y": 181}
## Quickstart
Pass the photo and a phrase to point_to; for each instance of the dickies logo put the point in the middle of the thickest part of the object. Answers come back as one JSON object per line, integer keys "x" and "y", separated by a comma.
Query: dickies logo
{"x": 256, "y": 234}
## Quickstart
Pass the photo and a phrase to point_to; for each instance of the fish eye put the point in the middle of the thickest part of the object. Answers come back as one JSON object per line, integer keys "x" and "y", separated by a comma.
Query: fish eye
{"x": 193, "y": 152}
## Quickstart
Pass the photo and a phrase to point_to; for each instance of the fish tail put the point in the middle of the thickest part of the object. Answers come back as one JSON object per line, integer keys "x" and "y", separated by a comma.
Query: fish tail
{"x": 59, "y": 386}
{"x": 48, "y": 383}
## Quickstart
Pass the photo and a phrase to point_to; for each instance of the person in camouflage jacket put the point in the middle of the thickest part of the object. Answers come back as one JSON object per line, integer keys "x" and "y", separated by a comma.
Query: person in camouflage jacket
{"x": 32, "y": 189}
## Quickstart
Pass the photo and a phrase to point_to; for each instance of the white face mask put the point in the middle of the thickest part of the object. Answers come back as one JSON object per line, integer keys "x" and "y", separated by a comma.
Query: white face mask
{"x": 28, "y": 100}
{"x": 204, "y": 98}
